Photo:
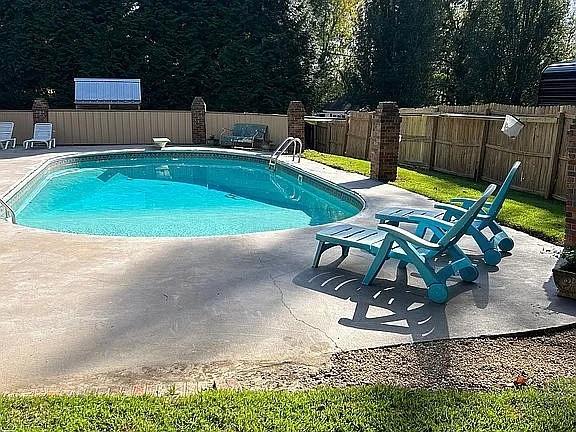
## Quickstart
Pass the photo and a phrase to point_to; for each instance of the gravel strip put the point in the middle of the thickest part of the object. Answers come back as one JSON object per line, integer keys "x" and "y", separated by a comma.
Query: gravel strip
{"x": 465, "y": 364}
{"x": 473, "y": 364}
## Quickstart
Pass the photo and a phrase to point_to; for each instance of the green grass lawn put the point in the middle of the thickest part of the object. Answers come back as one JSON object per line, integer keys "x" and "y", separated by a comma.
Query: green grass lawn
{"x": 353, "y": 409}
{"x": 526, "y": 212}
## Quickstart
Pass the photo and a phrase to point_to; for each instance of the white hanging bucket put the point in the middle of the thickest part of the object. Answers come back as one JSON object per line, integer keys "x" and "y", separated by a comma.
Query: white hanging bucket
{"x": 512, "y": 126}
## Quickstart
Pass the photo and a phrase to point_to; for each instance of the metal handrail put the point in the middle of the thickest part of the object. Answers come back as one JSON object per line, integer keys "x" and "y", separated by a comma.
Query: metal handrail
{"x": 9, "y": 211}
{"x": 281, "y": 149}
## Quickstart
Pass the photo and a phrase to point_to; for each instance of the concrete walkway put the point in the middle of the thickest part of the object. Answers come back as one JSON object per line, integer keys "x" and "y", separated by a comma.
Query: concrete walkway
{"x": 74, "y": 305}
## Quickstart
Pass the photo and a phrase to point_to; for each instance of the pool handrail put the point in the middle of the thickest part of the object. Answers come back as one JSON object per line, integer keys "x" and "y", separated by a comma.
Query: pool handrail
{"x": 9, "y": 212}
{"x": 281, "y": 149}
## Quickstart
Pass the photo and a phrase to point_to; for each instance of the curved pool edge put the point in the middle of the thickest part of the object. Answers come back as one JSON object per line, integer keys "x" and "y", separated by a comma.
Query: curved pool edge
{"x": 21, "y": 187}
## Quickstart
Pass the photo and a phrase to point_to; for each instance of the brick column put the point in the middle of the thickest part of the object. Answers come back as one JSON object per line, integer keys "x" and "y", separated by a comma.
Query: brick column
{"x": 296, "y": 124}
{"x": 384, "y": 142}
{"x": 198, "y": 121}
{"x": 570, "y": 240}
{"x": 40, "y": 111}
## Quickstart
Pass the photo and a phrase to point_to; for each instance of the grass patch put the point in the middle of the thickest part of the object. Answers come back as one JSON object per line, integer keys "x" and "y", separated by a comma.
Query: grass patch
{"x": 371, "y": 408}
{"x": 525, "y": 212}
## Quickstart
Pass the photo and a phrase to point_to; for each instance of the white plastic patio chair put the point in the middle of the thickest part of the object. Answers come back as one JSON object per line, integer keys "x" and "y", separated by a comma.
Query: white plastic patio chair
{"x": 42, "y": 135}
{"x": 6, "y": 138}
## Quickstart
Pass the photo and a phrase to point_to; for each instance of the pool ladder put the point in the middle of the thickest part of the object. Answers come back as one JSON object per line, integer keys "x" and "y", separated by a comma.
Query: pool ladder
{"x": 282, "y": 148}
{"x": 9, "y": 213}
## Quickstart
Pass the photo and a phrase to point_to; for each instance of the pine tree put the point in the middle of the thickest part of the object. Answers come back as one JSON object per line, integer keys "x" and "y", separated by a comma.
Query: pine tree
{"x": 395, "y": 51}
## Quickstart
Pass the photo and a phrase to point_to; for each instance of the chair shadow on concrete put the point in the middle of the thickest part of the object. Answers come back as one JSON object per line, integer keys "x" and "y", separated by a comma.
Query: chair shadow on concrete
{"x": 393, "y": 305}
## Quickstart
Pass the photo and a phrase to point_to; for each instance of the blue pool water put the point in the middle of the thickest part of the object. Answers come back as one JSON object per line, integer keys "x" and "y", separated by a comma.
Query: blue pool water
{"x": 175, "y": 197}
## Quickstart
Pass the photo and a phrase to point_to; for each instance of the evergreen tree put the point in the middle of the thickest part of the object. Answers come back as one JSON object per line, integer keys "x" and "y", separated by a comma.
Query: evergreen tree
{"x": 395, "y": 51}
{"x": 257, "y": 55}
{"x": 251, "y": 55}
{"x": 496, "y": 49}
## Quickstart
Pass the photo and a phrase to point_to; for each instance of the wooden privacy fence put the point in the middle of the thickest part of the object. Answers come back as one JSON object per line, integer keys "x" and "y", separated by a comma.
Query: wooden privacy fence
{"x": 92, "y": 127}
{"x": 467, "y": 141}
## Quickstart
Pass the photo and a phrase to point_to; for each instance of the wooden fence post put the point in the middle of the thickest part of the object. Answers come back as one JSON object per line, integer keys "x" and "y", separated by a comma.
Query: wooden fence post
{"x": 433, "y": 135}
{"x": 368, "y": 139}
{"x": 329, "y": 134}
{"x": 482, "y": 152}
{"x": 346, "y": 136}
{"x": 555, "y": 156}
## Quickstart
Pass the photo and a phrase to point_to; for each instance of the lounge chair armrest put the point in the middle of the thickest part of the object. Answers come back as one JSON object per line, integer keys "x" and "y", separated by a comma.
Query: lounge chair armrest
{"x": 468, "y": 202}
{"x": 451, "y": 208}
{"x": 424, "y": 220}
{"x": 463, "y": 202}
{"x": 408, "y": 237}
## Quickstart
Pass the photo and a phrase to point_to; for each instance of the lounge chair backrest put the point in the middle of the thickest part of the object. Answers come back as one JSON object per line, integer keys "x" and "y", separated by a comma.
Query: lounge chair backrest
{"x": 250, "y": 130}
{"x": 43, "y": 131}
{"x": 461, "y": 226}
{"x": 501, "y": 195}
{"x": 6, "y": 129}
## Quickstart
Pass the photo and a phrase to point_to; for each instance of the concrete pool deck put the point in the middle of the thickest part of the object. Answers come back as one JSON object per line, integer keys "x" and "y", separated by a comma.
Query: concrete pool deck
{"x": 75, "y": 305}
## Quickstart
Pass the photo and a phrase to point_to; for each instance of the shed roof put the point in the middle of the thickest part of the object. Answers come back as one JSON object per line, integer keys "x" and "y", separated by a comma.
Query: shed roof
{"x": 107, "y": 91}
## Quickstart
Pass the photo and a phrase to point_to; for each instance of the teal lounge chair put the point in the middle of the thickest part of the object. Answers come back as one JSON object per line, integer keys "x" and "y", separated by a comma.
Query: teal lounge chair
{"x": 489, "y": 235}
{"x": 389, "y": 241}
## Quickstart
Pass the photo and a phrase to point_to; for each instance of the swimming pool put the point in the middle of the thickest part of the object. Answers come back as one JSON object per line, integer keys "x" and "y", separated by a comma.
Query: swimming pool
{"x": 175, "y": 194}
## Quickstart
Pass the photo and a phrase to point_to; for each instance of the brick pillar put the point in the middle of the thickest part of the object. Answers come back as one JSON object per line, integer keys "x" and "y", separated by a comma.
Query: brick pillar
{"x": 384, "y": 142}
{"x": 570, "y": 240}
{"x": 198, "y": 121}
{"x": 40, "y": 111}
{"x": 296, "y": 125}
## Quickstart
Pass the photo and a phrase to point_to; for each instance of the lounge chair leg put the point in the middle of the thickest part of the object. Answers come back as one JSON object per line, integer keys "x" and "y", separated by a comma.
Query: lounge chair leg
{"x": 503, "y": 242}
{"x": 374, "y": 269}
{"x": 438, "y": 293}
{"x": 378, "y": 262}
{"x": 323, "y": 247}
{"x": 345, "y": 251}
{"x": 461, "y": 264}
{"x": 491, "y": 255}
{"x": 469, "y": 274}
{"x": 319, "y": 250}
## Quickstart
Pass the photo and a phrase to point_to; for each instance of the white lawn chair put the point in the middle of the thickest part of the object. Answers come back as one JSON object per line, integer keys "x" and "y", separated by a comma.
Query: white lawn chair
{"x": 6, "y": 138}
{"x": 42, "y": 135}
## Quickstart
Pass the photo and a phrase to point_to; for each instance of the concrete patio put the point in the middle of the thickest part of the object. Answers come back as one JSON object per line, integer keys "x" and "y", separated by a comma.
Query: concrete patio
{"x": 75, "y": 305}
